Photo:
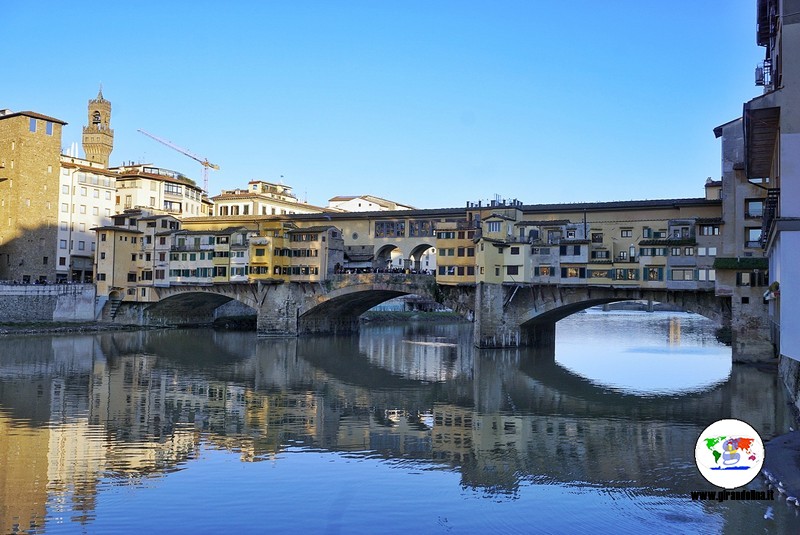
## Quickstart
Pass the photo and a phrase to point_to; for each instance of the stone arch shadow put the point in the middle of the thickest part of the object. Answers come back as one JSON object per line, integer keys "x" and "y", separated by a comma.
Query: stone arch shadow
{"x": 195, "y": 308}
{"x": 339, "y": 310}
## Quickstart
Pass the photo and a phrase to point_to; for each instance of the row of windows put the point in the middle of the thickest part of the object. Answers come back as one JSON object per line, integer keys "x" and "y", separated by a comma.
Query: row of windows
{"x": 304, "y": 237}
{"x": 84, "y": 192}
{"x": 62, "y": 244}
{"x": 48, "y": 126}
{"x": 82, "y": 209}
{"x": 457, "y": 270}
{"x": 390, "y": 229}
{"x": 457, "y": 251}
{"x": 655, "y": 273}
{"x": 191, "y": 257}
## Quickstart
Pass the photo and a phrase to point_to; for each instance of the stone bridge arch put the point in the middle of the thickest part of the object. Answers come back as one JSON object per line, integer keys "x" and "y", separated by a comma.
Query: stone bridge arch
{"x": 337, "y": 307}
{"x": 191, "y": 305}
{"x": 523, "y": 315}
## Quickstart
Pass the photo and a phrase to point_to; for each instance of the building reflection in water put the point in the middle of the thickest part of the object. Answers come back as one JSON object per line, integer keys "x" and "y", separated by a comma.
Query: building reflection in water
{"x": 77, "y": 413}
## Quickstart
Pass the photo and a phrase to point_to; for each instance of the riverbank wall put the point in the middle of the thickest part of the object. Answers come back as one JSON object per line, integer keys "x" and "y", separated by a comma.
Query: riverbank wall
{"x": 24, "y": 303}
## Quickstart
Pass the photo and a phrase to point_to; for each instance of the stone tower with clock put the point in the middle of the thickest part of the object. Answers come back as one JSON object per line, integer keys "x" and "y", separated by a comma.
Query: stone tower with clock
{"x": 98, "y": 137}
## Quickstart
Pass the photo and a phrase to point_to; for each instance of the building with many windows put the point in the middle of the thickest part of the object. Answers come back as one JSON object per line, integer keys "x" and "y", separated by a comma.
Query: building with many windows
{"x": 261, "y": 198}
{"x": 85, "y": 200}
{"x": 147, "y": 187}
{"x": 669, "y": 244}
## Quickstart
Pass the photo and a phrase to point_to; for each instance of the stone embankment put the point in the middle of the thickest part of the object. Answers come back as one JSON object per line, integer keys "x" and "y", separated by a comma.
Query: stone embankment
{"x": 13, "y": 329}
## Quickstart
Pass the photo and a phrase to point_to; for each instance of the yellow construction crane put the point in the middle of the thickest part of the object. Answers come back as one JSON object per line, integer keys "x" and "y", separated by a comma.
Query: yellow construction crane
{"x": 203, "y": 161}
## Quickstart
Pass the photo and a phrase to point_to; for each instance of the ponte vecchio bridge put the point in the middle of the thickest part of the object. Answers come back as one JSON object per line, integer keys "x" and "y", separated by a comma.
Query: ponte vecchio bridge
{"x": 512, "y": 270}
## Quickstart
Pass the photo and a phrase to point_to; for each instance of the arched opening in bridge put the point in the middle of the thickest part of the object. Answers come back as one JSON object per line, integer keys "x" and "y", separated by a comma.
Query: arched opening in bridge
{"x": 390, "y": 257}
{"x": 200, "y": 308}
{"x": 423, "y": 258}
{"x": 341, "y": 311}
{"x": 642, "y": 353}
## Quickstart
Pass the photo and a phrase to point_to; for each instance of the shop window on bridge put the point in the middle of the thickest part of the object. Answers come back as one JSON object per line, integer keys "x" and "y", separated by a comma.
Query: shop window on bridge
{"x": 654, "y": 273}
{"x": 752, "y": 278}
{"x": 573, "y": 273}
{"x": 682, "y": 274}
{"x": 709, "y": 275}
{"x": 543, "y": 271}
{"x": 630, "y": 274}
{"x": 599, "y": 274}
{"x": 390, "y": 229}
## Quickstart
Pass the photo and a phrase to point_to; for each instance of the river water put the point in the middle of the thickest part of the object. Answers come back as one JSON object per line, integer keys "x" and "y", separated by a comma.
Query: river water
{"x": 401, "y": 429}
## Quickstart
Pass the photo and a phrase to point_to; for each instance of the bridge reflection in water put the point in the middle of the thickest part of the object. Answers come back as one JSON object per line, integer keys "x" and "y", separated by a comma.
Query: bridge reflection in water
{"x": 76, "y": 410}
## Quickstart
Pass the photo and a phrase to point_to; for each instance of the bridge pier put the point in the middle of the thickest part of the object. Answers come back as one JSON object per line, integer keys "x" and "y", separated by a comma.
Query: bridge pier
{"x": 278, "y": 313}
{"x": 499, "y": 324}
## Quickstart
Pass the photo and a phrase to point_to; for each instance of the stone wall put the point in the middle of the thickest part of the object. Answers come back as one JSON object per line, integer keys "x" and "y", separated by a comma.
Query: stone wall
{"x": 63, "y": 302}
{"x": 789, "y": 370}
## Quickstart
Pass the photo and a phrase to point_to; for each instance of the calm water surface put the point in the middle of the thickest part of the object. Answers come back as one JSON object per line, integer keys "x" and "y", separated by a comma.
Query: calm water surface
{"x": 401, "y": 429}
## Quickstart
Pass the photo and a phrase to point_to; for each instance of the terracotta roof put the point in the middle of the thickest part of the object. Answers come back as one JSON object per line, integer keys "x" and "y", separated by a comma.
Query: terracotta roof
{"x": 118, "y": 229}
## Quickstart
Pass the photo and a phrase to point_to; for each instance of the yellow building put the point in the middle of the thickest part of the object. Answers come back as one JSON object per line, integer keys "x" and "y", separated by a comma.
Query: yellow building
{"x": 270, "y": 254}
{"x": 133, "y": 255}
{"x": 317, "y": 252}
{"x": 455, "y": 253}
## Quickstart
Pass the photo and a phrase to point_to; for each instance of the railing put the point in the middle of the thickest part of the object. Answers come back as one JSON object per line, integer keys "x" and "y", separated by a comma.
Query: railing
{"x": 771, "y": 205}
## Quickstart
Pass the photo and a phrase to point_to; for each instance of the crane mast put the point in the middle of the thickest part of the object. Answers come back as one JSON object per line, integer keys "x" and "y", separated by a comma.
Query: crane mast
{"x": 203, "y": 161}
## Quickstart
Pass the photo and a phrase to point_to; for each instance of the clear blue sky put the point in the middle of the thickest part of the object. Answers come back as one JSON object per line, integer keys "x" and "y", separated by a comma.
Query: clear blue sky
{"x": 430, "y": 103}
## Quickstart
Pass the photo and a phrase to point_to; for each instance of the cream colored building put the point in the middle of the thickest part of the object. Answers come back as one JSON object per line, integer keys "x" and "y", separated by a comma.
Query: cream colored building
{"x": 261, "y": 198}
{"x": 365, "y": 203}
{"x": 147, "y": 187}
{"x": 86, "y": 200}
